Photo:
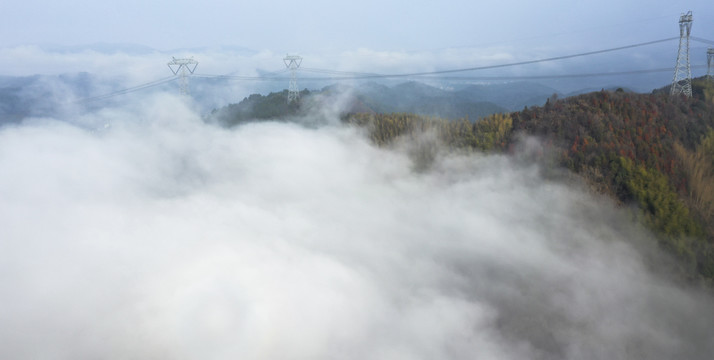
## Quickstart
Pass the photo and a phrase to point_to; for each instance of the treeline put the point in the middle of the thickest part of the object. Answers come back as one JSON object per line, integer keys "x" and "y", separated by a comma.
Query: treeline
{"x": 491, "y": 133}
{"x": 256, "y": 107}
{"x": 411, "y": 97}
{"x": 424, "y": 136}
{"x": 652, "y": 150}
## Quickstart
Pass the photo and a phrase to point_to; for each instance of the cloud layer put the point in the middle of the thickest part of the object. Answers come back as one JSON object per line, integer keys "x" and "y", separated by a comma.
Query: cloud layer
{"x": 161, "y": 236}
{"x": 127, "y": 69}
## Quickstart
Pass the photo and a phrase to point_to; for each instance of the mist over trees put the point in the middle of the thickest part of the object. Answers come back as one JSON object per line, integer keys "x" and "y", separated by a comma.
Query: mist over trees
{"x": 654, "y": 151}
{"x": 536, "y": 233}
{"x": 641, "y": 149}
{"x": 409, "y": 98}
{"x": 373, "y": 236}
{"x": 651, "y": 150}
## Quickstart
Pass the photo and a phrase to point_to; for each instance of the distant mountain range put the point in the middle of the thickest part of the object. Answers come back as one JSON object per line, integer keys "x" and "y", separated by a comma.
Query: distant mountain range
{"x": 43, "y": 95}
{"x": 472, "y": 102}
{"x": 423, "y": 99}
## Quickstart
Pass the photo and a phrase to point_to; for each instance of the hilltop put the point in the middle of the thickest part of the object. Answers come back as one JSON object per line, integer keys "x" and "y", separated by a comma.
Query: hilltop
{"x": 653, "y": 151}
{"x": 472, "y": 101}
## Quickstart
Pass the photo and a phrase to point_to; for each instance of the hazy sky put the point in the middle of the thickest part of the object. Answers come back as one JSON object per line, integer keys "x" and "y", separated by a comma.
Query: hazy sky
{"x": 365, "y": 36}
{"x": 329, "y": 25}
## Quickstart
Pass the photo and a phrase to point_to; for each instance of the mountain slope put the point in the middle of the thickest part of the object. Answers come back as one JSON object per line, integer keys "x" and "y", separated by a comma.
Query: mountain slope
{"x": 410, "y": 97}
{"x": 650, "y": 151}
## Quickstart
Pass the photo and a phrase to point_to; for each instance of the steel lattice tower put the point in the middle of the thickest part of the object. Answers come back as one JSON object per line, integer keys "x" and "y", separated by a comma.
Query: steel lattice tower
{"x": 293, "y": 62}
{"x": 182, "y": 68}
{"x": 682, "y": 82}
{"x": 710, "y": 58}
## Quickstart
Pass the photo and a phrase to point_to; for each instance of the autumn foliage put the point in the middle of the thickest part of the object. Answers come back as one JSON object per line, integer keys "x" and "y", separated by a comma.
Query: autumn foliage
{"x": 650, "y": 150}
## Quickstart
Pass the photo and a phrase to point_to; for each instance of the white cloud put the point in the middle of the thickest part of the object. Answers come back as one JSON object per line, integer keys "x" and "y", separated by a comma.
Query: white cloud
{"x": 117, "y": 70}
{"x": 161, "y": 236}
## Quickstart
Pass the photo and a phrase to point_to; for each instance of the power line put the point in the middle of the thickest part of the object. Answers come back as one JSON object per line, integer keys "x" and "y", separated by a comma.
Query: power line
{"x": 128, "y": 90}
{"x": 351, "y": 75}
{"x": 240, "y": 78}
{"x": 710, "y": 42}
{"x": 337, "y": 72}
{"x": 534, "y": 77}
{"x": 264, "y": 77}
{"x": 504, "y": 77}
{"x": 276, "y": 73}
{"x": 487, "y": 67}
{"x": 359, "y": 76}
{"x": 564, "y": 76}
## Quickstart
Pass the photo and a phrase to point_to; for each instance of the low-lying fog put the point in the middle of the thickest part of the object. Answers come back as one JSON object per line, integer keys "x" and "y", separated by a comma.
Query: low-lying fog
{"x": 143, "y": 232}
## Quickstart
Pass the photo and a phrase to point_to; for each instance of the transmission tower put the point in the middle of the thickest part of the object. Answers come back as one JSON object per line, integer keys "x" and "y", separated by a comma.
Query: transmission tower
{"x": 710, "y": 58}
{"x": 293, "y": 62}
{"x": 682, "y": 82}
{"x": 182, "y": 68}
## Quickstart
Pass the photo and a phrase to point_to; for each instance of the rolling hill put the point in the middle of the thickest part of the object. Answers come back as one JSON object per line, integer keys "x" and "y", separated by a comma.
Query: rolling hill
{"x": 653, "y": 153}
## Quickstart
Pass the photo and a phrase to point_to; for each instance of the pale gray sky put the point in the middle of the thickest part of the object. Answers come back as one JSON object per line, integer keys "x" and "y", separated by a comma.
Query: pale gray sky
{"x": 366, "y": 36}
{"x": 320, "y": 25}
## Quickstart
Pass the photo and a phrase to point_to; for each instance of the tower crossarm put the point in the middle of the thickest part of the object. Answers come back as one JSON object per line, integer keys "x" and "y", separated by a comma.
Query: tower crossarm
{"x": 182, "y": 67}
{"x": 293, "y": 62}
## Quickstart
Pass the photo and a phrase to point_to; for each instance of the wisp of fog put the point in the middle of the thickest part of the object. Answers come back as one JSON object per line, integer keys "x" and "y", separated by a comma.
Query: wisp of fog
{"x": 143, "y": 232}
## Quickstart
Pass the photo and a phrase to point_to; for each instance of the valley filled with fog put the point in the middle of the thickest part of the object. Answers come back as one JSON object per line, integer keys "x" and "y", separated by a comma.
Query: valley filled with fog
{"x": 356, "y": 180}
{"x": 142, "y": 231}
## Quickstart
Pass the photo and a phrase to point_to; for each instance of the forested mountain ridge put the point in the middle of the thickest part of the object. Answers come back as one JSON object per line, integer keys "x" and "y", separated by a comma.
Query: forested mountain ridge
{"x": 651, "y": 151}
{"x": 654, "y": 151}
{"x": 471, "y": 102}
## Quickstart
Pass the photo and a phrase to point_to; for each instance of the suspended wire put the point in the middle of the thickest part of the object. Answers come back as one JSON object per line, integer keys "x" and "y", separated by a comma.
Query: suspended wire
{"x": 360, "y": 76}
{"x": 337, "y": 72}
{"x": 350, "y": 75}
{"x": 528, "y": 62}
{"x": 275, "y": 73}
{"x": 238, "y": 77}
{"x": 267, "y": 77}
{"x": 515, "y": 77}
{"x": 564, "y": 76}
{"x": 710, "y": 42}
{"x": 128, "y": 90}
{"x": 268, "y": 74}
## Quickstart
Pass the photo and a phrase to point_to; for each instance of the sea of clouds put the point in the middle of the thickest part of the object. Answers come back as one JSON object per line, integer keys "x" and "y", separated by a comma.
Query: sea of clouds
{"x": 143, "y": 232}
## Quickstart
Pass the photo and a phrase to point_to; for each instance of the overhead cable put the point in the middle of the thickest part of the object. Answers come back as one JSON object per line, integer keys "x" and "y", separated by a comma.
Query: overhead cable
{"x": 129, "y": 90}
